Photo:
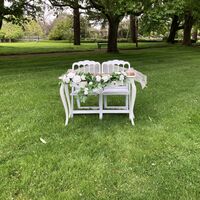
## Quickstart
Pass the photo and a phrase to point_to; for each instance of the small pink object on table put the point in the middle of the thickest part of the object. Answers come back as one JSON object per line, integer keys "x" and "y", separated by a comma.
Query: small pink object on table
{"x": 130, "y": 72}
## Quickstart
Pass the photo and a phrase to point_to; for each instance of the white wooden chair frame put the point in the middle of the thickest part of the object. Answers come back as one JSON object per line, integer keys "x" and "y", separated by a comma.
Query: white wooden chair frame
{"x": 84, "y": 66}
{"x": 95, "y": 67}
{"x": 110, "y": 67}
{"x": 127, "y": 89}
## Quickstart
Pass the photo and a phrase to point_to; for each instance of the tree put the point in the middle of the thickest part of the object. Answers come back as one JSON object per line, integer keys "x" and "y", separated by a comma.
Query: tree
{"x": 17, "y": 11}
{"x": 62, "y": 28}
{"x": 84, "y": 27}
{"x": 175, "y": 26}
{"x": 114, "y": 11}
{"x": 76, "y": 5}
{"x": 33, "y": 28}
{"x": 186, "y": 11}
{"x": 1, "y": 12}
{"x": 195, "y": 34}
{"x": 174, "y": 10}
{"x": 123, "y": 31}
{"x": 182, "y": 10}
{"x": 11, "y": 31}
{"x": 134, "y": 29}
{"x": 158, "y": 19}
{"x": 110, "y": 9}
{"x": 188, "y": 23}
{"x": 191, "y": 16}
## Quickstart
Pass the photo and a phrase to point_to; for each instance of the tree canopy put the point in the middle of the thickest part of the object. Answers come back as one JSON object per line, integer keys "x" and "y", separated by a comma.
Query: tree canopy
{"x": 17, "y": 11}
{"x": 114, "y": 11}
{"x": 11, "y": 32}
{"x": 164, "y": 17}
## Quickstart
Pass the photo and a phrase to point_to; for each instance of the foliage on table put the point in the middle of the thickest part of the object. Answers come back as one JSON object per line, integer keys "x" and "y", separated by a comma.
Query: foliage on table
{"x": 88, "y": 83}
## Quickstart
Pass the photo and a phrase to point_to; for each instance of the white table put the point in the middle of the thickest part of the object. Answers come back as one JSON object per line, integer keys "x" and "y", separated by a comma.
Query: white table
{"x": 65, "y": 97}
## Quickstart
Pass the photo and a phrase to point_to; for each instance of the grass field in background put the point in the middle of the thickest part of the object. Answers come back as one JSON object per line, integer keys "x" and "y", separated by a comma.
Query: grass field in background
{"x": 62, "y": 46}
{"x": 159, "y": 158}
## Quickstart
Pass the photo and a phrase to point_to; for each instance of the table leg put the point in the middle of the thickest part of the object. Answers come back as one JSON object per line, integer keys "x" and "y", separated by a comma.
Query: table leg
{"x": 100, "y": 106}
{"x": 130, "y": 100}
{"x": 68, "y": 97}
{"x": 133, "y": 97}
{"x": 63, "y": 98}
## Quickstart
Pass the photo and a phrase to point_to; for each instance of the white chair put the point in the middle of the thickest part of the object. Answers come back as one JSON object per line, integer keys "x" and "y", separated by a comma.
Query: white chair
{"x": 84, "y": 66}
{"x": 110, "y": 67}
{"x": 122, "y": 90}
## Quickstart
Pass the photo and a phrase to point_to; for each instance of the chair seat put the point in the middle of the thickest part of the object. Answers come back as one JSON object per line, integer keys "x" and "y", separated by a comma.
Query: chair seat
{"x": 116, "y": 90}
{"x": 75, "y": 93}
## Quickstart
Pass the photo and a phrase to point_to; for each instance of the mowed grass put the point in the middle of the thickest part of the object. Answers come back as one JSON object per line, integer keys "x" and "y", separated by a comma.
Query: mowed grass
{"x": 159, "y": 158}
{"x": 62, "y": 46}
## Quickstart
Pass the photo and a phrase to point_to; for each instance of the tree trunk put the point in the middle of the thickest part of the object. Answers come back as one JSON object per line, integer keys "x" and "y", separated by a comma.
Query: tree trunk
{"x": 1, "y": 22}
{"x": 1, "y": 12}
{"x": 133, "y": 28}
{"x": 77, "y": 29}
{"x": 195, "y": 34}
{"x": 173, "y": 30}
{"x": 112, "y": 35}
{"x": 187, "y": 29}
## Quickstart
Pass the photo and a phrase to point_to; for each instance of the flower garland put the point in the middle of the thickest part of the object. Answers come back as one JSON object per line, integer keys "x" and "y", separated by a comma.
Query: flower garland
{"x": 88, "y": 83}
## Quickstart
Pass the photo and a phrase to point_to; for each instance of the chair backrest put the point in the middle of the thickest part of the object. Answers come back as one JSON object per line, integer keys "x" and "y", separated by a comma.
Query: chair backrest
{"x": 87, "y": 66}
{"x": 114, "y": 66}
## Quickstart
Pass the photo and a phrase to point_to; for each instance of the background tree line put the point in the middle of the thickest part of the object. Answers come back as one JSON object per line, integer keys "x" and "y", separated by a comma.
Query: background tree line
{"x": 146, "y": 17}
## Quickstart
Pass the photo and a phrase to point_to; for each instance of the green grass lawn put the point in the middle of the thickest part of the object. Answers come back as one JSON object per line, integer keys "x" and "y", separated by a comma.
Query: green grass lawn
{"x": 61, "y": 46}
{"x": 159, "y": 158}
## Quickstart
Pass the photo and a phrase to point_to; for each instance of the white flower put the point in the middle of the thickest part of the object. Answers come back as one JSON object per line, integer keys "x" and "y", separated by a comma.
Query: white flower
{"x": 121, "y": 77}
{"x": 117, "y": 73}
{"x": 43, "y": 141}
{"x": 86, "y": 91}
{"x": 90, "y": 83}
{"x": 71, "y": 74}
{"x": 83, "y": 77}
{"x": 98, "y": 78}
{"x": 106, "y": 78}
{"x": 76, "y": 79}
{"x": 83, "y": 84}
{"x": 66, "y": 79}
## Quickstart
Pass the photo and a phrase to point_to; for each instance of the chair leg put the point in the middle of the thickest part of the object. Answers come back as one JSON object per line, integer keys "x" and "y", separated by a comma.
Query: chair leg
{"x": 132, "y": 122}
{"x": 105, "y": 101}
{"x": 100, "y": 106}
{"x": 78, "y": 103}
{"x": 126, "y": 103}
{"x": 72, "y": 107}
{"x": 129, "y": 98}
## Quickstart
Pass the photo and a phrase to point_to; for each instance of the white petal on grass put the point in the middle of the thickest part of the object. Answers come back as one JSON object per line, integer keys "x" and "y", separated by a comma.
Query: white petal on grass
{"x": 150, "y": 119}
{"x": 43, "y": 141}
